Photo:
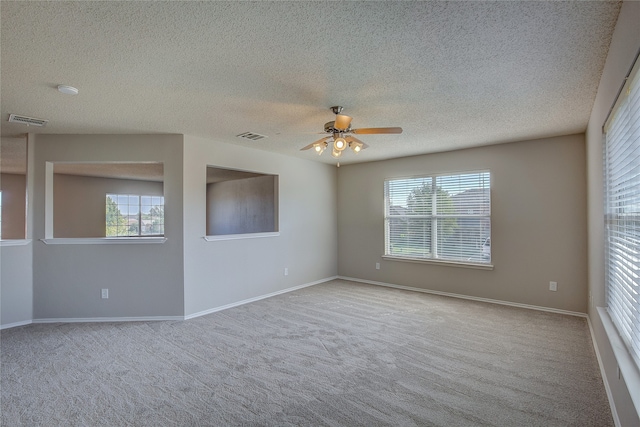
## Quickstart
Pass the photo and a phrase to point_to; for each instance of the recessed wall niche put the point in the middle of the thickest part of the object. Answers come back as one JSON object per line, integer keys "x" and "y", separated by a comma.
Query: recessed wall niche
{"x": 13, "y": 188}
{"x": 241, "y": 202}
{"x": 108, "y": 199}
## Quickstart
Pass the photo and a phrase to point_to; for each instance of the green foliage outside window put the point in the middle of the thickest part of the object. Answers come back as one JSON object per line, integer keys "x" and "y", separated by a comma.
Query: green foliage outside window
{"x": 117, "y": 224}
{"x": 133, "y": 215}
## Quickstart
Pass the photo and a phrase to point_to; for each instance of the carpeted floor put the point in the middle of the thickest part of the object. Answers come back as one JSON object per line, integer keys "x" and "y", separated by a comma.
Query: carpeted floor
{"x": 338, "y": 354}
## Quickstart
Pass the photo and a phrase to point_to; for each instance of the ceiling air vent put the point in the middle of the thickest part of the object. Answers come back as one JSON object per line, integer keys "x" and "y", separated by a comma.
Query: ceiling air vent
{"x": 252, "y": 136}
{"x": 29, "y": 121}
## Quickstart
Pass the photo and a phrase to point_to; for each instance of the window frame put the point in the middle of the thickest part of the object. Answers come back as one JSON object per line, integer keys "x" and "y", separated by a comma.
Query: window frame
{"x": 620, "y": 209}
{"x": 433, "y": 247}
{"x": 139, "y": 216}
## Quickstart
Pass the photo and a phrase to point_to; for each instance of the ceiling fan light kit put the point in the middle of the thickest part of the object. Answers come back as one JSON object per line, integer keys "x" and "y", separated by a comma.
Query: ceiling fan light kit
{"x": 340, "y": 127}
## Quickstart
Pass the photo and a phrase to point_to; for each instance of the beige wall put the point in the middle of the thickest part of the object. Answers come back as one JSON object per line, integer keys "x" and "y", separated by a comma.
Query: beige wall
{"x": 16, "y": 285}
{"x": 14, "y": 192}
{"x": 225, "y": 272}
{"x": 79, "y": 202}
{"x": 16, "y": 267}
{"x": 144, "y": 280}
{"x": 538, "y": 202}
{"x": 150, "y": 280}
{"x": 625, "y": 44}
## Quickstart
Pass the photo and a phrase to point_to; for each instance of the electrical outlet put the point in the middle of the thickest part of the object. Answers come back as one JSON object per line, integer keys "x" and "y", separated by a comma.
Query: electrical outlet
{"x": 105, "y": 293}
{"x": 377, "y": 266}
{"x": 286, "y": 271}
{"x": 553, "y": 286}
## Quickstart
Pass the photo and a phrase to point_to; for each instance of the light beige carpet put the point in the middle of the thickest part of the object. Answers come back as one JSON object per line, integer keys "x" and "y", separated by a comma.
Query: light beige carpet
{"x": 337, "y": 354}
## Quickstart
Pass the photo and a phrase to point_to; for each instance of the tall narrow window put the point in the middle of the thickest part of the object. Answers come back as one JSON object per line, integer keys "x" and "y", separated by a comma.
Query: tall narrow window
{"x": 622, "y": 213}
{"x": 445, "y": 217}
{"x": 129, "y": 215}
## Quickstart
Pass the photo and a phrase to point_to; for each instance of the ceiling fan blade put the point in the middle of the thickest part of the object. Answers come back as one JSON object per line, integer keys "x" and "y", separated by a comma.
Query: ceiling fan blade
{"x": 314, "y": 143}
{"x": 372, "y": 131}
{"x": 342, "y": 122}
{"x": 354, "y": 139}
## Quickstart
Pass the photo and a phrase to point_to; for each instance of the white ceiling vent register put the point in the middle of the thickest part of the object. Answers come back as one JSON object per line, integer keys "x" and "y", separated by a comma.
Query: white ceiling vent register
{"x": 251, "y": 135}
{"x": 29, "y": 121}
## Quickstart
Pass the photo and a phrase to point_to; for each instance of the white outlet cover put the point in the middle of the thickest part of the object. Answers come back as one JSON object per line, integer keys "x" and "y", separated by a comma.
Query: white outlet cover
{"x": 105, "y": 293}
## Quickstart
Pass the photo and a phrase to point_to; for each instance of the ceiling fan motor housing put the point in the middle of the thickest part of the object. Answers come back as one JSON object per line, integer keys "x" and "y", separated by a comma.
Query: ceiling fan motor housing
{"x": 329, "y": 127}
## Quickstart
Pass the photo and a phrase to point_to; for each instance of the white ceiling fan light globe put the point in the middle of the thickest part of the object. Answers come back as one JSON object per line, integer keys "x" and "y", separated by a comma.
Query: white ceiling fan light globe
{"x": 335, "y": 153}
{"x": 339, "y": 144}
{"x": 355, "y": 146}
{"x": 319, "y": 147}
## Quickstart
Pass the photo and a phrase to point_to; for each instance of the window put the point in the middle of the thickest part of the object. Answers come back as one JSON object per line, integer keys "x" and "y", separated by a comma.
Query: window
{"x": 445, "y": 217}
{"x": 622, "y": 213}
{"x": 129, "y": 215}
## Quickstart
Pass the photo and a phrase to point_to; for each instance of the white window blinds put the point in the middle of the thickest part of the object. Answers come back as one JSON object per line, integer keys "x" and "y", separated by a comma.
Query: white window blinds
{"x": 622, "y": 213}
{"x": 445, "y": 217}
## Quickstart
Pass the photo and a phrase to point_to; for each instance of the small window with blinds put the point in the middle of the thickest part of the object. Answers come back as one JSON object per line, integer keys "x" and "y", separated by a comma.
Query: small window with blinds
{"x": 439, "y": 217}
{"x": 622, "y": 213}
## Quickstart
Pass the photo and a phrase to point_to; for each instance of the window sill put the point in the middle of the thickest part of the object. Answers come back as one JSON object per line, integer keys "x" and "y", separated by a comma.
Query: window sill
{"x": 104, "y": 240}
{"x": 240, "y": 236}
{"x": 15, "y": 242}
{"x": 440, "y": 262}
{"x": 625, "y": 361}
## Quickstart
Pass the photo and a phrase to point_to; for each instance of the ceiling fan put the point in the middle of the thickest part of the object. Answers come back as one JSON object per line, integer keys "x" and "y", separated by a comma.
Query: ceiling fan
{"x": 340, "y": 129}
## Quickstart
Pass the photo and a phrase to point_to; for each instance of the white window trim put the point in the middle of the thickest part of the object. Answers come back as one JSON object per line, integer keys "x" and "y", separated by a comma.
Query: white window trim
{"x": 626, "y": 359}
{"x": 442, "y": 262}
{"x": 104, "y": 240}
{"x": 626, "y": 364}
{"x": 14, "y": 242}
{"x": 437, "y": 261}
{"x": 221, "y": 237}
{"x": 139, "y": 196}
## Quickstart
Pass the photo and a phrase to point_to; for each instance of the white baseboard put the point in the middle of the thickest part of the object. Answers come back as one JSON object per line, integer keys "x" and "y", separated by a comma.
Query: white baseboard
{"x": 15, "y": 324}
{"x": 612, "y": 405}
{"x": 160, "y": 318}
{"x": 106, "y": 319}
{"x": 258, "y": 298}
{"x": 448, "y": 294}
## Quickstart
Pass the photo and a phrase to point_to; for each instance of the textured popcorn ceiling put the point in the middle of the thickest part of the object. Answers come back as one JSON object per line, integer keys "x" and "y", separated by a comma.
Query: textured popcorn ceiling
{"x": 452, "y": 74}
